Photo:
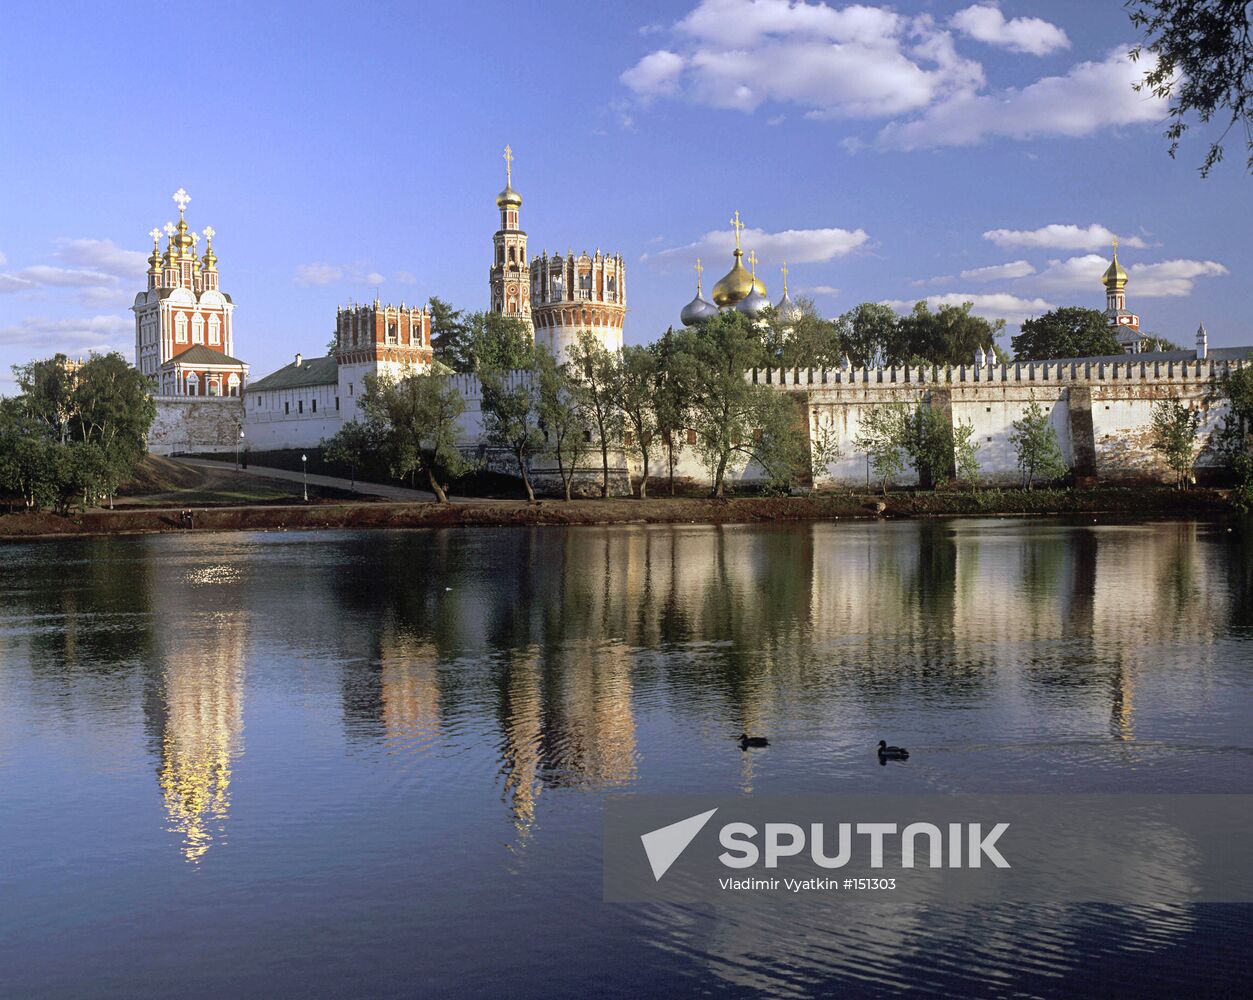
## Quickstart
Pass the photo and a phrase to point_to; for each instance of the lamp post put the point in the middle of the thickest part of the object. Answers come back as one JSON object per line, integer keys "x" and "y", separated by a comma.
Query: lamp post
{"x": 238, "y": 445}
{"x": 304, "y": 475}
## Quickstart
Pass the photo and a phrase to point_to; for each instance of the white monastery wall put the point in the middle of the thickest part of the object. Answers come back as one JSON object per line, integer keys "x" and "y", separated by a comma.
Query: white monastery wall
{"x": 195, "y": 424}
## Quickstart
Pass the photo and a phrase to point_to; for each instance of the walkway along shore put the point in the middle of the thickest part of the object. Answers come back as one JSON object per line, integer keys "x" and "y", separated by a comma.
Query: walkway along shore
{"x": 1138, "y": 502}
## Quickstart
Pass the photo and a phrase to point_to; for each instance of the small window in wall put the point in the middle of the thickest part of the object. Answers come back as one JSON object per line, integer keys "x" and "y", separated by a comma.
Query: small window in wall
{"x": 197, "y": 330}
{"x": 215, "y": 330}
{"x": 587, "y": 436}
{"x": 336, "y": 404}
{"x": 286, "y": 408}
{"x": 350, "y": 388}
{"x": 988, "y": 408}
{"x": 180, "y": 329}
{"x": 300, "y": 406}
{"x": 691, "y": 436}
{"x": 315, "y": 406}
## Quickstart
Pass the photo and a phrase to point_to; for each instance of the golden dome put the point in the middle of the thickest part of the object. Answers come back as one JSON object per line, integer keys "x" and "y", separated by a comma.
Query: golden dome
{"x": 1114, "y": 274}
{"x": 508, "y": 197}
{"x": 735, "y": 285}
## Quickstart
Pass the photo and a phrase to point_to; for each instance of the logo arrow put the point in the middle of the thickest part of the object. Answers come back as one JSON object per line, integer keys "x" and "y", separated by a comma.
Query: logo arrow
{"x": 663, "y": 846}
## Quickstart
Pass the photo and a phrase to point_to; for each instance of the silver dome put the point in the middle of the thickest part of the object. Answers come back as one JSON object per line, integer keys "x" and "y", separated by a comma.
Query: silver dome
{"x": 753, "y": 304}
{"x": 788, "y": 310}
{"x": 697, "y": 311}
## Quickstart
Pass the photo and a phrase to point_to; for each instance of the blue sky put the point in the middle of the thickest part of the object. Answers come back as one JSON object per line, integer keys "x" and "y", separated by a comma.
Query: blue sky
{"x": 889, "y": 153}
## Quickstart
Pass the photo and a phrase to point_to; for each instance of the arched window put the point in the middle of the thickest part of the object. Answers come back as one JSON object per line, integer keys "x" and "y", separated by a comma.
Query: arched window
{"x": 215, "y": 387}
{"x": 197, "y": 329}
{"x": 180, "y": 328}
{"x": 233, "y": 384}
{"x": 215, "y": 330}
{"x": 193, "y": 384}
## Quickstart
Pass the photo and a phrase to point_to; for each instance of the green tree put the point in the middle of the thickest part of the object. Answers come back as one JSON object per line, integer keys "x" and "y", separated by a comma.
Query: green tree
{"x": 883, "y": 435}
{"x": 636, "y": 394}
{"x": 1203, "y": 65}
{"x": 966, "y": 453}
{"x": 47, "y": 392}
{"x": 503, "y": 343}
{"x": 351, "y": 445}
{"x": 1036, "y": 445}
{"x": 450, "y": 336}
{"x": 511, "y": 413}
{"x": 1068, "y": 332}
{"x": 670, "y": 405}
{"x": 869, "y": 332}
{"x": 417, "y": 418}
{"x": 563, "y": 419}
{"x": 929, "y": 444}
{"x": 735, "y": 421}
{"x": 596, "y": 372}
{"x": 803, "y": 341}
{"x": 948, "y": 336}
{"x": 27, "y": 454}
{"x": 1174, "y": 435}
{"x": 1234, "y": 390}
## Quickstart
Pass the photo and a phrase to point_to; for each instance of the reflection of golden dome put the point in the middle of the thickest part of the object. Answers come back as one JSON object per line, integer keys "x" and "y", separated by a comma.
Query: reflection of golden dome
{"x": 736, "y": 284}
{"x": 508, "y": 197}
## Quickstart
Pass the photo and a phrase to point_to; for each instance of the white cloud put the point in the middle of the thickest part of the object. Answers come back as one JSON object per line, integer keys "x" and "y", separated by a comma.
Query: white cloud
{"x": 818, "y": 290}
{"x": 406, "y": 278}
{"x": 98, "y": 333}
{"x": 332, "y": 274}
{"x": 1060, "y": 237}
{"x": 106, "y": 256}
{"x": 1032, "y": 35}
{"x": 797, "y": 246}
{"x": 856, "y": 61}
{"x": 1091, "y": 96}
{"x": 44, "y": 274}
{"x": 997, "y": 272}
{"x": 1163, "y": 279}
{"x": 318, "y": 274}
{"x": 12, "y": 283}
{"x": 996, "y": 305}
{"x": 654, "y": 75}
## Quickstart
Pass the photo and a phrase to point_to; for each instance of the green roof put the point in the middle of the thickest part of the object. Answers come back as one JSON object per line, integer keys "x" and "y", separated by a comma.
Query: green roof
{"x": 201, "y": 355}
{"x": 312, "y": 371}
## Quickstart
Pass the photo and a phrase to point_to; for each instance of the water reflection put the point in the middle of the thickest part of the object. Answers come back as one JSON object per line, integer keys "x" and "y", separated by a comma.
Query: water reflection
{"x": 499, "y": 681}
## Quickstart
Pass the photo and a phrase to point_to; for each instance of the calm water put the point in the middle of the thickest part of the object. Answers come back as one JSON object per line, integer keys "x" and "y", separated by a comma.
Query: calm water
{"x": 340, "y": 763}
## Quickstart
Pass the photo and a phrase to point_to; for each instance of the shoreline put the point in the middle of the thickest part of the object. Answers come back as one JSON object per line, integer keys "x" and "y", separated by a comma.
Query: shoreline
{"x": 1130, "y": 502}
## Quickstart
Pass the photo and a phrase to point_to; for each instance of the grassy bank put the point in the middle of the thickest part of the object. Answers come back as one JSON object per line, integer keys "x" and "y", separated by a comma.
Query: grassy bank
{"x": 1121, "y": 502}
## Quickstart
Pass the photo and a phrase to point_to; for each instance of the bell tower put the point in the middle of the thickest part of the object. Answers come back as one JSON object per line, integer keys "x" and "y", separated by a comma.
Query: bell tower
{"x": 510, "y": 273}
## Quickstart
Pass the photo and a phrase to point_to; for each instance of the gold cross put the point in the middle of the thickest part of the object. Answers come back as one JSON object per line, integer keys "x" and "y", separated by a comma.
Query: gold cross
{"x": 752, "y": 261}
{"x": 699, "y": 271}
{"x": 508, "y": 167}
{"x": 1115, "y": 244}
{"x": 784, "y": 270}
{"x": 156, "y": 236}
{"x": 738, "y": 226}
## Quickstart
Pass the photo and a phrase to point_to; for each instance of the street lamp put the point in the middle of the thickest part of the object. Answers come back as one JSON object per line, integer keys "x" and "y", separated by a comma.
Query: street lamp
{"x": 304, "y": 475}
{"x": 238, "y": 445}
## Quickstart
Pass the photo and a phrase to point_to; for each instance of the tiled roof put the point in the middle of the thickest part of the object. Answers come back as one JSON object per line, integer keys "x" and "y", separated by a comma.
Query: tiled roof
{"x": 201, "y": 355}
{"x": 312, "y": 371}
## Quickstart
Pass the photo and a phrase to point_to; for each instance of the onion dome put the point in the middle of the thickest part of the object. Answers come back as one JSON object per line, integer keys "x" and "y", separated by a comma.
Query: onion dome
{"x": 508, "y": 197}
{"x": 788, "y": 310}
{"x": 698, "y": 311}
{"x": 735, "y": 284}
{"x": 753, "y": 304}
{"x": 1114, "y": 274}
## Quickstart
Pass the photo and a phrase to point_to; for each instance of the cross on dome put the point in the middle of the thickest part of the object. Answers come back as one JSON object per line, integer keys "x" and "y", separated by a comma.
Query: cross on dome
{"x": 169, "y": 229}
{"x": 508, "y": 166}
{"x": 181, "y": 199}
{"x": 784, "y": 270}
{"x": 699, "y": 269}
{"x": 752, "y": 261}
{"x": 209, "y": 233}
{"x": 195, "y": 238}
{"x": 155, "y": 234}
{"x": 738, "y": 225}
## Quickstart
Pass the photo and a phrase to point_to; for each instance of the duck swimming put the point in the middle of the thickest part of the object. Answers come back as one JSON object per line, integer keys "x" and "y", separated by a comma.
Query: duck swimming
{"x": 747, "y": 741}
{"x": 892, "y": 753}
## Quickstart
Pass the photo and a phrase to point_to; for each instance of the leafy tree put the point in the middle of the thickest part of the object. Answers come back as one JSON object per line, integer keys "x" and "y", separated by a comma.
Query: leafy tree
{"x": 596, "y": 372}
{"x": 1174, "y": 435}
{"x": 1068, "y": 332}
{"x": 928, "y": 440}
{"x": 417, "y": 418}
{"x": 948, "y": 336}
{"x": 1035, "y": 442}
{"x": 47, "y": 388}
{"x": 868, "y": 333}
{"x": 511, "y": 413}
{"x": 670, "y": 404}
{"x": 804, "y": 341}
{"x": 966, "y": 453}
{"x": 351, "y": 445}
{"x": 494, "y": 341}
{"x": 882, "y": 435}
{"x": 1203, "y": 65}
{"x": 735, "y": 421}
{"x": 27, "y": 448}
{"x": 1152, "y": 342}
{"x": 1235, "y": 439}
{"x": 450, "y": 336}
{"x": 636, "y": 390}
{"x": 562, "y": 417}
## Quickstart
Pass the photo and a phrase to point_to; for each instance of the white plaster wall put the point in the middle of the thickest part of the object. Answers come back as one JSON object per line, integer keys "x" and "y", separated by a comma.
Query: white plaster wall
{"x": 267, "y": 426}
{"x": 195, "y": 424}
